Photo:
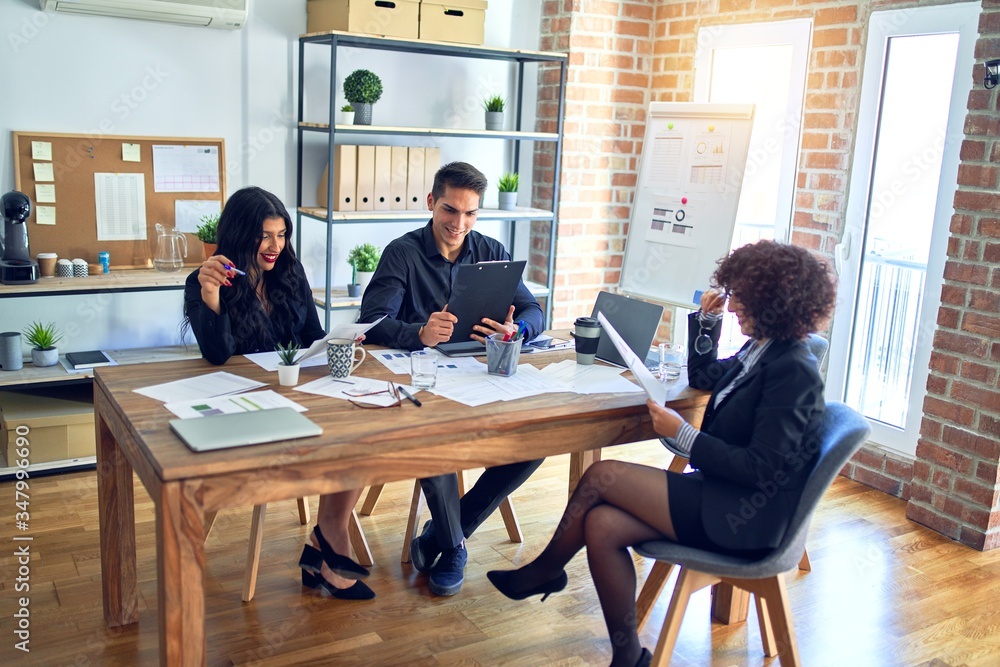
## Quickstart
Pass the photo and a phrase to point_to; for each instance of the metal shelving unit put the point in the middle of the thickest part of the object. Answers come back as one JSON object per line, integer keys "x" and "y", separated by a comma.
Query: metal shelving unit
{"x": 335, "y": 39}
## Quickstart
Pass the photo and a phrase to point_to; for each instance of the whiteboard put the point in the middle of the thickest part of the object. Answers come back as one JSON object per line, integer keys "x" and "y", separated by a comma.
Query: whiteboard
{"x": 690, "y": 174}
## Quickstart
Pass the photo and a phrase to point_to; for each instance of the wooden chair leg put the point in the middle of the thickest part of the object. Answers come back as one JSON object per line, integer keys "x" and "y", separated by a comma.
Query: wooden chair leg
{"x": 688, "y": 582}
{"x": 413, "y": 520}
{"x": 804, "y": 564}
{"x": 371, "y": 499}
{"x": 766, "y": 628}
{"x": 510, "y": 521}
{"x": 730, "y": 605}
{"x": 461, "y": 483}
{"x": 253, "y": 551}
{"x": 677, "y": 464}
{"x": 775, "y": 606}
{"x": 651, "y": 590}
{"x": 304, "y": 511}
{"x": 358, "y": 541}
{"x": 209, "y": 522}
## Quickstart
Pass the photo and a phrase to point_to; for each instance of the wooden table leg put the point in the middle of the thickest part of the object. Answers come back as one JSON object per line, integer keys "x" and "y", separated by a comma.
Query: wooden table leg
{"x": 578, "y": 464}
{"x": 180, "y": 548}
{"x": 117, "y": 522}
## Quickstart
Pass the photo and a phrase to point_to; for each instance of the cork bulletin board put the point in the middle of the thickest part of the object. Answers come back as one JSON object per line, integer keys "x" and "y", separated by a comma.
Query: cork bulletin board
{"x": 75, "y": 161}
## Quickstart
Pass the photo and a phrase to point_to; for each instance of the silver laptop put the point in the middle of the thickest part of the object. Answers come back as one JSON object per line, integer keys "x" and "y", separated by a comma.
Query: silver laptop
{"x": 205, "y": 434}
{"x": 636, "y": 321}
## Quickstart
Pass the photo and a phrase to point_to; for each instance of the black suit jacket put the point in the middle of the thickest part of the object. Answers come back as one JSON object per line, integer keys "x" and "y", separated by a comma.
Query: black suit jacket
{"x": 758, "y": 446}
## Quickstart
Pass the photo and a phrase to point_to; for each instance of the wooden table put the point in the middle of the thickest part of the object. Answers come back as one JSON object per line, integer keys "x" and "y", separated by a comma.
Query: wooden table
{"x": 358, "y": 447}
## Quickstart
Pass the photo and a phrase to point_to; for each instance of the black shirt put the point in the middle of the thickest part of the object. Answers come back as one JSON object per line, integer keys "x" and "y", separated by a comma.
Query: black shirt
{"x": 413, "y": 280}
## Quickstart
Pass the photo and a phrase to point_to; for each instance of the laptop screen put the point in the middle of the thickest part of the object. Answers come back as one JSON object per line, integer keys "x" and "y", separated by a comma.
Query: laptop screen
{"x": 636, "y": 321}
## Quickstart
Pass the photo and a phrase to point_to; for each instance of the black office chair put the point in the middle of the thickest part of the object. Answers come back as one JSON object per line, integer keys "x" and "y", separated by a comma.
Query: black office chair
{"x": 841, "y": 434}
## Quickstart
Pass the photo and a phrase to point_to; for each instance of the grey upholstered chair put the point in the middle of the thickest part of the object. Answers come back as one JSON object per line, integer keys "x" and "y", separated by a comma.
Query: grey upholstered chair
{"x": 819, "y": 346}
{"x": 842, "y": 432}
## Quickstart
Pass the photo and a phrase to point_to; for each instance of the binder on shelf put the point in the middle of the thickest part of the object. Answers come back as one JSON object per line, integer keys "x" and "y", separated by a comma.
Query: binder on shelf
{"x": 432, "y": 162}
{"x": 366, "y": 178}
{"x": 383, "y": 175}
{"x": 88, "y": 359}
{"x": 416, "y": 196}
{"x": 397, "y": 179}
{"x": 345, "y": 160}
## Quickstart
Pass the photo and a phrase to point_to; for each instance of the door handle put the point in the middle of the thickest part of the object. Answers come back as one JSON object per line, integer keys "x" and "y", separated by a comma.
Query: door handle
{"x": 842, "y": 252}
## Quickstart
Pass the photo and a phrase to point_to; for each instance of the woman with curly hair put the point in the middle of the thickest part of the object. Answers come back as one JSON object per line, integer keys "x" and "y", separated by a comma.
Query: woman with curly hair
{"x": 266, "y": 301}
{"x": 756, "y": 441}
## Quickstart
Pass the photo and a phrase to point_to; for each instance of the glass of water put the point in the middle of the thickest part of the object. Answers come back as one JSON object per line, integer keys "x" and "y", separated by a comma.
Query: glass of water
{"x": 423, "y": 368}
{"x": 671, "y": 361}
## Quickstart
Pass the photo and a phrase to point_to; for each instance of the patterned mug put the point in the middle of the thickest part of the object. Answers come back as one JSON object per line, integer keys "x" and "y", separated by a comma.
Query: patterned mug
{"x": 340, "y": 356}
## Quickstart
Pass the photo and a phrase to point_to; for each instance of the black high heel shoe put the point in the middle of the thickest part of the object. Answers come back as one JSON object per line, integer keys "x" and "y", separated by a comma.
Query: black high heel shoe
{"x": 312, "y": 557}
{"x": 342, "y": 566}
{"x": 501, "y": 579}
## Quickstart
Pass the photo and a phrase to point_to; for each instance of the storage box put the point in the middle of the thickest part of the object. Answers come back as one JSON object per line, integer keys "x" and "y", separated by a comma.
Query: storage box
{"x": 390, "y": 18}
{"x": 59, "y": 421}
{"x": 461, "y": 21}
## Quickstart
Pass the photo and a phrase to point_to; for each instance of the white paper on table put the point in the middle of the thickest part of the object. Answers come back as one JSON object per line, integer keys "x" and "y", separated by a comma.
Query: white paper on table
{"x": 471, "y": 390}
{"x": 250, "y": 402}
{"x": 527, "y": 381}
{"x": 269, "y": 360}
{"x": 654, "y": 389}
{"x": 347, "y": 388}
{"x": 589, "y": 379}
{"x": 348, "y": 331}
{"x": 397, "y": 361}
{"x": 209, "y": 385}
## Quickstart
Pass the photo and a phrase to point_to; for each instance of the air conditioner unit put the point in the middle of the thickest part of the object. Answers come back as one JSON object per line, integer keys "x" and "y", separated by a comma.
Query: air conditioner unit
{"x": 227, "y": 14}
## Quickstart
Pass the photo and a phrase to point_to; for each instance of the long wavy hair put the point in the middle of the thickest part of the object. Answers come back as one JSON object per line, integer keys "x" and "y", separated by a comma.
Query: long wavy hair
{"x": 240, "y": 235}
{"x": 787, "y": 290}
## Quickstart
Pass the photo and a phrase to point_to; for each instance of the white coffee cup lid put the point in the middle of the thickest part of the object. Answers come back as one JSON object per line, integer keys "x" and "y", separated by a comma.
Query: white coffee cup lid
{"x": 77, "y": 261}
{"x": 46, "y": 255}
{"x": 65, "y": 262}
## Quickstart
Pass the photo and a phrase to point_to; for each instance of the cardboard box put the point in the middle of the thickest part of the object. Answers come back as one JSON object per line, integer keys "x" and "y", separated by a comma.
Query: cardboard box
{"x": 59, "y": 421}
{"x": 390, "y": 18}
{"x": 462, "y": 21}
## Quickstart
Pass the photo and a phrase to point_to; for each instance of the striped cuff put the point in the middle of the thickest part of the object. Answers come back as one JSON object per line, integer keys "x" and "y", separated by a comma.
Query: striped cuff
{"x": 709, "y": 318}
{"x": 684, "y": 440}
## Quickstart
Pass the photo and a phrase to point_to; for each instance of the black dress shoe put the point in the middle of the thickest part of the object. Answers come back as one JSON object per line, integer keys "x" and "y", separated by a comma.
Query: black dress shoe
{"x": 340, "y": 565}
{"x": 645, "y": 658}
{"x": 312, "y": 557}
{"x": 501, "y": 579}
{"x": 424, "y": 548}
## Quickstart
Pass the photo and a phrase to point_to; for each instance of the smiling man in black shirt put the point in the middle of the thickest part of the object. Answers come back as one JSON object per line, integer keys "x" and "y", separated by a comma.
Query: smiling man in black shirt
{"x": 411, "y": 287}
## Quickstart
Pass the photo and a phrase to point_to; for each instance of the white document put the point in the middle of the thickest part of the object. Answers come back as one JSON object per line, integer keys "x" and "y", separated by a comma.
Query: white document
{"x": 269, "y": 360}
{"x": 349, "y": 331}
{"x": 121, "y": 206}
{"x": 185, "y": 169}
{"x": 593, "y": 379}
{"x": 43, "y": 172}
{"x": 471, "y": 390}
{"x": 251, "y": 402}
{"x": 527, "y": 381}
{"x": 654, "y": 389}
{"x": 354, "y": 388}
{"x": 188, "y": 213}
{"x": 397, "y": 361}
{"x": 210, "y": 385}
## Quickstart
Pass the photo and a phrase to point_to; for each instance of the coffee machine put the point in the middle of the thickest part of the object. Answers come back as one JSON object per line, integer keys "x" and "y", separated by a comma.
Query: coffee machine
{"x": 16, "y": 267}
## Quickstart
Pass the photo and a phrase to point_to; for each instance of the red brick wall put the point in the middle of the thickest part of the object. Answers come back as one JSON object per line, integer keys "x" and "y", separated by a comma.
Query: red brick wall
{"x": 624, "y": 54}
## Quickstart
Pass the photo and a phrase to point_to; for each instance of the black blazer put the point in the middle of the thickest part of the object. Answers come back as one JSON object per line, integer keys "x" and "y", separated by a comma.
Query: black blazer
{"x": 756, "y": 449}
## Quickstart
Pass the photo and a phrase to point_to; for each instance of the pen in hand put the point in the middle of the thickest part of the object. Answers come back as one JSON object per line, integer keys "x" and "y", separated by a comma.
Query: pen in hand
{"x": 230, "y": 267}
{"x": 409, "y": 396}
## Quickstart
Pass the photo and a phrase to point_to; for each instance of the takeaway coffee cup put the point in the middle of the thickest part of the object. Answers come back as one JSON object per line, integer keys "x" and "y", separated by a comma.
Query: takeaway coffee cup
{"x": 587, "y": 334}
{"x": 47, "y": 263}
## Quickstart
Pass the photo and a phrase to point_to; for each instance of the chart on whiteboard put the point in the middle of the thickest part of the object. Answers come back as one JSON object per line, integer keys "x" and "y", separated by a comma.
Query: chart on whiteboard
{"x": 185, "y": 168}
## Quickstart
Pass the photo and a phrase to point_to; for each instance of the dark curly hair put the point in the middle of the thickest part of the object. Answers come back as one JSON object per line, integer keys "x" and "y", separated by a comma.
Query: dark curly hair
{"x": 787, "y": 290}
{"x": 240, "y": 234}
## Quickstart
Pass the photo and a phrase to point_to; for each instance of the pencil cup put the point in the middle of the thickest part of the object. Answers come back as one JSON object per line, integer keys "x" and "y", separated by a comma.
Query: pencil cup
{"x": 10, "y": 351}
{"x": 423, "y": 368}
{"x": 340, "y": 356}
{"x": 502, "y": 355}
{"x": 587, "y": 334}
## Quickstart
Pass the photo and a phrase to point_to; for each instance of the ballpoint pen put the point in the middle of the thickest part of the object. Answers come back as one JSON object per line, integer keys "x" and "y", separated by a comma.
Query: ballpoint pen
{"x": 409, "y": 396}
{"x": 230, "y": 267}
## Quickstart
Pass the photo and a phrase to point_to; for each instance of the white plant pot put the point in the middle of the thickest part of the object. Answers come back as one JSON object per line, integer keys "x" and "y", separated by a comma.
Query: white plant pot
{"x": 508, "y": 201}
{"x": 288, "y": 376}
{"x": 345, "y": 117}
{"x": 48, "y": 357}
{"x": 494, "y": 120}
{"x": 365, "y": 277}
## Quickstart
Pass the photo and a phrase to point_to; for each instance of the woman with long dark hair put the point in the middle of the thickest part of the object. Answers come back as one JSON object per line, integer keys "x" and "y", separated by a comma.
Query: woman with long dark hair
{"x": 249, "y": 297}
{"x": 757, "y": 438}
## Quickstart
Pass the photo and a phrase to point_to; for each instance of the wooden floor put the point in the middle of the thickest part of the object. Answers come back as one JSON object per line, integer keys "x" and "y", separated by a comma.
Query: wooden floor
{"x": 883, "y": 591}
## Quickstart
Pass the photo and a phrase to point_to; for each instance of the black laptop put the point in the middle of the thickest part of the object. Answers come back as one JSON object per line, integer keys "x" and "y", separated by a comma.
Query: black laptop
{"x": 636, "y": 321}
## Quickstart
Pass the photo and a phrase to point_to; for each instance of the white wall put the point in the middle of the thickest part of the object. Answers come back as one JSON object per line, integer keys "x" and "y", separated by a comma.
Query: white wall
{"x": 110, "y": 76}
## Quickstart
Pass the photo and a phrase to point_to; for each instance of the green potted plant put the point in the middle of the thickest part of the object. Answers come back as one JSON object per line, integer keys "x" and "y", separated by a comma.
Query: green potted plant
{"x": 288, "y": 366}
{"x": 354, "y": 287}
{"x": 208, "y": 233}
{"x": 362, "y": 89}
{"x": 43, "y": 339}
{"x": 507, "y": 185}
{"x": 494, "y": 105}
{"x": 346, "y": 115}
{"x": 363, "y": 260}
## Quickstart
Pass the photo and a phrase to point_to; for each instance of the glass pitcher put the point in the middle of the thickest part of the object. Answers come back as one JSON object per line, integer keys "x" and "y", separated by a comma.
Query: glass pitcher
{"x": 171, "y": 249}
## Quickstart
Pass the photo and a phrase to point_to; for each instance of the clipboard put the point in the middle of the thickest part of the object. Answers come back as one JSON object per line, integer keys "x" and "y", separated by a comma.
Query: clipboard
{"x": 481, "y": 290}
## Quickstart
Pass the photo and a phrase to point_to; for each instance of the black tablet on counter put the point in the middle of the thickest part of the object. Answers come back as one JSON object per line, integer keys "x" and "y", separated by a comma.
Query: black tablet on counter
{"x": 481, "y": 290}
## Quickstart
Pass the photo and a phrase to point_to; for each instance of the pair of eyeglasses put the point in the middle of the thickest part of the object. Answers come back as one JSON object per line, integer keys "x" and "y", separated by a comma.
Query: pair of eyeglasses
{"x": 703, "y": 342}
{"x": 391, "y": 391}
